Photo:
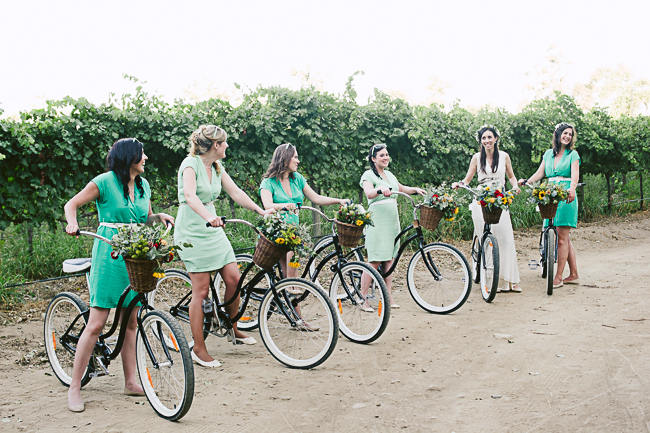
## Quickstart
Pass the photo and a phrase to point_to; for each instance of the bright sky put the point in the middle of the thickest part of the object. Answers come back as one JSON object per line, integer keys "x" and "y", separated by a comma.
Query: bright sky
{"x": 481, "y": 52}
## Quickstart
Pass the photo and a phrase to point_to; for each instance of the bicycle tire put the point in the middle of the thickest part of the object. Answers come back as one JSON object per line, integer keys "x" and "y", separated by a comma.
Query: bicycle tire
{"x": 59, "y": 315}
{"x": 475, "y": 263}
{"x": 317, "y": 324}
{"x": 168, "y": 377}
{"x": 355, "y": 323}
{"x": 326, "y": 274}
{"x": 542, "y": 253}
{"x": 489, "y": 269}
{"x": 550, "y": 260}
{"x": 248, "y": 320}
{"x": 169, "y": 290}
{"x": 450, "y": 290}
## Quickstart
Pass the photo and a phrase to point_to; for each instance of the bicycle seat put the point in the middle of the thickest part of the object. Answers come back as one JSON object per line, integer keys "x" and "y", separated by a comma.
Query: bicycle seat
{"x": 76, "y": 265}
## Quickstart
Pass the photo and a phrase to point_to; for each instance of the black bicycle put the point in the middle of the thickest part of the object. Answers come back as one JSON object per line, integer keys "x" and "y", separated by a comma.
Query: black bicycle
{"x": 438, "y": 276}
{"x": 296, "y": 320}
{"x": 162, "y": 354}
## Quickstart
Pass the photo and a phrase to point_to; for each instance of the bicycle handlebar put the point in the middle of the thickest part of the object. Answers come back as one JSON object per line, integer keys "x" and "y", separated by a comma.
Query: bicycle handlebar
{"x": 236, "y": 220}
{"x": 102, "y": 238}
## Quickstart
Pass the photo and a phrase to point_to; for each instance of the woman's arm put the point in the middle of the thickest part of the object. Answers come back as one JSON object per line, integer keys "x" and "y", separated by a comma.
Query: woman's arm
{"x": 321, "y": 200}
{"x": 371, "y": 191}
{"x": 471, "y": 171}
{"x": 159, "y": 217}
{"x": 193, "y": 201}
{"x": 411, "y": 190}
{"x": 239, "y": 196}
{"x": 538, "y": 175}
{"x": 575, "y": 175}
{"x": 86, "y": 195}
{"x": 269, "y": 204}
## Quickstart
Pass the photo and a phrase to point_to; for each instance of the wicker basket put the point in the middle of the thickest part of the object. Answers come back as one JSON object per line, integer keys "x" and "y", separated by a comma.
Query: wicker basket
{"x": 491, "y": 216}
{"x": 349, "y": 234}
{"x": 547, "y": 211}
{"x": 141, "y": 274}
{"x": 430, "y": 217}
{"x": 267, "y": 254}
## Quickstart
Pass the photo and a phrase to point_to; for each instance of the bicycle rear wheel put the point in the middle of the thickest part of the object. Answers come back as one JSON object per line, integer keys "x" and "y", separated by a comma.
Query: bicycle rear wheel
{"x": 167, "y": 296}
{"x": 166, "y": 373}
{"x": 64, "y": 322}
{"x": 313, "y": 336}
{"x": 489, "y": 270}
{"x": 362, "y": 317}
{"x": 550, "y": 260}
{"x": 248, "y": 319}
{"x": 438, "y": 278}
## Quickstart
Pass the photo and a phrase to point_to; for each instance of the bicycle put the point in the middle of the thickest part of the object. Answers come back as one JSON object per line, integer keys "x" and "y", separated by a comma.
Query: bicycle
{"x": 303, "y": 339}
{"x": 485, "y": 259}
{"x": 438, "y": 276}
{"x": 163, "y": 357}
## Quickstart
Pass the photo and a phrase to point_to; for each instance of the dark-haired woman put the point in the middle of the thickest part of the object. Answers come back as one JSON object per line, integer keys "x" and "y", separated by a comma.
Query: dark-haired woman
{"x": 492, "y": 166}
{"x": 380, "y": 237}
{"x": 561, "y": 164}
{"x": 283, "y": 187}
{"x": 122, "y": 196}
{"x": 201, "y": 177}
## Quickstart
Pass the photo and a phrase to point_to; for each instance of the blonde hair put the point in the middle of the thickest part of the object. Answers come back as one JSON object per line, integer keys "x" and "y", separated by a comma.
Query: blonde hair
{"x": 202, "y": 140}
{"x": 280, "y": 161}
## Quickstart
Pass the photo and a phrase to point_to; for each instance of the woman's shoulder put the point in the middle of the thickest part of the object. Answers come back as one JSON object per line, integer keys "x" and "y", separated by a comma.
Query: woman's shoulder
{"x": 549, "y": 152}
{"x": 189, "y": 161}
{"x": 299, "y": 177}
{"x": 268, "y": 182}
{"x": 367, "y": 175}
{"x": 104, "y": 178}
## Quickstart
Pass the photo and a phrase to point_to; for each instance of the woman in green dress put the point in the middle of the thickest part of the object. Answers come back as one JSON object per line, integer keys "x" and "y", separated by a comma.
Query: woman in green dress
{"x": 122, "y": 196}
{"x": 201, "y": 177}
{"x": 561, "y": 164}
{"x": 283, "y": 187}
{"x": 378, "y": 184}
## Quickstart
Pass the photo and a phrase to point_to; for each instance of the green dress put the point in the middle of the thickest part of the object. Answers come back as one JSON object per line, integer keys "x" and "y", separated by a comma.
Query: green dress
{"x": 567, "y": 213}
{"x": 211, "y": 249}
{"x": 380, "y": 237}
{"x": 297, "y": 184}
{"x": 108, "y": 277}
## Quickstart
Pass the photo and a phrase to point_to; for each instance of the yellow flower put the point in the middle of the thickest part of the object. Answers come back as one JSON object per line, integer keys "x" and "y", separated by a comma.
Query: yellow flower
{"x": 367, "y": 215}
{"x": 279, "y": 241}
{"x": 487, "y": 188}
{"x": 359, "y": 222}
{"x": 158, "y": 274}
{"x": 450, "y": 219}
{"x": 456, "y": 210}
{"x": 491, "y": 199}
{"x": 541, "y": 195}
{"x": 509, "y": 201}
{"x": 504, "y": 200}
{"x": 294, "y": 264}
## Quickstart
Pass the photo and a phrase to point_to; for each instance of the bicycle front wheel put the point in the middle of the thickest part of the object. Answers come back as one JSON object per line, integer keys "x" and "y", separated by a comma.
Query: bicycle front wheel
{"x": 362, "y": 314}
{"x": 165, "y": 369}
{"x": 439, "y": 278}
{"x": 298, "y": 326}
{"x": 321, "y": 273}
{"x": 173, "y": 295}
{"x": 64, "y": 323}
{"x": 550, "y": 260}
{"x": 489, "y": 269}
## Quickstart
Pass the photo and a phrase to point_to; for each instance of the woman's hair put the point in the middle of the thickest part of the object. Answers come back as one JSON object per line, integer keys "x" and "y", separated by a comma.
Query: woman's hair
{"x": 123, "y": 154}
{"x": 559, "y": 129}
{"x": 495, "y": 157}
{"x": 202, "y": 140}
{"x": 280, "y": 161}
{"x": 373, "y": 152}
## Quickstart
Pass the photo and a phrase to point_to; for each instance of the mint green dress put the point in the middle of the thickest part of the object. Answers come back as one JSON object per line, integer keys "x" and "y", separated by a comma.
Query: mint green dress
{"x": 108, "y": 277}
{"x": 380, "y": 238}
{"x": 297, "y": 184}
{"x": 211, "y": 249}
{"x": 567, "y": 213}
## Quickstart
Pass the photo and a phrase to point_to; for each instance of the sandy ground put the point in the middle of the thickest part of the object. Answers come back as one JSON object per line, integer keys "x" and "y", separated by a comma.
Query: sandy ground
{"x": 575, "y": 361}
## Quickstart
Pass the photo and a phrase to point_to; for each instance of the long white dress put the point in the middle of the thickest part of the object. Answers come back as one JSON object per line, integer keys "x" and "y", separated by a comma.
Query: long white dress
{"x": 508, "y": 268}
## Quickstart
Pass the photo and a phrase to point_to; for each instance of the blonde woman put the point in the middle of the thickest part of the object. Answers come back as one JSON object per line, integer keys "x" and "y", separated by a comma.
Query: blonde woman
{"x": 201, "y": 177}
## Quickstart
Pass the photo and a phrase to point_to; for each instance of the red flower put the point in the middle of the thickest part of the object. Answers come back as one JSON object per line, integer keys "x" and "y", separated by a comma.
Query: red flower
{"x": 498, "y": 193}
{"x": 483, "y": 203}
{"x": 436, "y": 195}
{"x": 114, "y": 255}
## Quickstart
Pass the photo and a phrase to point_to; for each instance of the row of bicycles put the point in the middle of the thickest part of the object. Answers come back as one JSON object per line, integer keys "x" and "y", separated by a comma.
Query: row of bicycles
{"x": 299, "y": 319}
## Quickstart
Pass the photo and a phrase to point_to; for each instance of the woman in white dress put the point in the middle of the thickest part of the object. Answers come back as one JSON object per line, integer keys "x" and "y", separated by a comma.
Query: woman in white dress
{"x": 492, "y": 166}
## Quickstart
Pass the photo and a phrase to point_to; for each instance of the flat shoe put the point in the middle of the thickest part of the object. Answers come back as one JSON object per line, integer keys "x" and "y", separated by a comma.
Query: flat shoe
{"x": 301, "y": 325}
{"x": 576, "y": 281}
{"x": 516, "y": 289}
{"x": 557, "y": 286}
{"x": 367, "y": 308}
{"x": 243, "y": 340}
{"x": 79, "y": 407}
{"x": 502, "y": 290}
{"x": 395, "y": 306}
{"x": 133, "y": 393}
{"x": 208, "y": 364}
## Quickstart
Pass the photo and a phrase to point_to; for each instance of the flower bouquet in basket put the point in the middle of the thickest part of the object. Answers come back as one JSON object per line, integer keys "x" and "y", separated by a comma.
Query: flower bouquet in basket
{"x": 350, "y": 220}
{"x": 144, "y": 249}
{"x": 493, "y": 201}
{"x": 547, "y": 196}
{"x": 278, "y": 238}
{"x": 440, "y": 202}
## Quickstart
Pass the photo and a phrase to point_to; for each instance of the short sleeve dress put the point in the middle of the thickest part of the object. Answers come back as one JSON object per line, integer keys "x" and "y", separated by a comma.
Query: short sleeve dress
{"x": 380, "y": 237}
{"x": 297, "y": 184}
{"x": 211, "y": 249}
{"x": 108, "y": 277}
{"x": 567, "y": 213}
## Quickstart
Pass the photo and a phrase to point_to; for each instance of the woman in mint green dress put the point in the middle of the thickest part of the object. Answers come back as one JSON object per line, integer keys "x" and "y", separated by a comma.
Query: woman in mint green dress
{"x": 378, "y": 184}
{"x": 122, "y": 196}
{"x": 283, "y": 188}
{"x": 561, "y": 164}
{"x": 201, "y": 177}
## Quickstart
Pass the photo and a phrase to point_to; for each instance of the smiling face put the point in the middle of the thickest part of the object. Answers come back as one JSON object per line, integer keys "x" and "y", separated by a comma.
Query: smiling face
{"x": 566, "y": 137}
{"x": 381, "y": 159}
{"x": 487, "y": 140}
{"x": 138, "y": 167}
{"x": 293, "y": 163}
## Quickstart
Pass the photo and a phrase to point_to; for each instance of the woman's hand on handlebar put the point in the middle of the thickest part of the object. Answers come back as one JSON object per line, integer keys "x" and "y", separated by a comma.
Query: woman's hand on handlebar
{"x": 419, "y": 191}
{"x": 386, "y": 191}
{"x": 265, "y": 212}
{"x": 523, "y": 181}
{"x": 344, "y": 201}
{"x": 166, "y": 219}
{"x": 72, "y": 229}
{"x": 216, "y": 222}
{"x": 457, "y": 185}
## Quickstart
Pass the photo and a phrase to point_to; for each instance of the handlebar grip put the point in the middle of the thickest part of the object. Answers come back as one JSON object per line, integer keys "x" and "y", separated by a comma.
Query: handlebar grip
{"x": 223, "y": 218}
{"x": 379, "y": 191}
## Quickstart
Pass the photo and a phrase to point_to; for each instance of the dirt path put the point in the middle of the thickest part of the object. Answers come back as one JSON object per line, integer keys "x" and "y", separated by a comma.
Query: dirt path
{"x": 576, "y": 361}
